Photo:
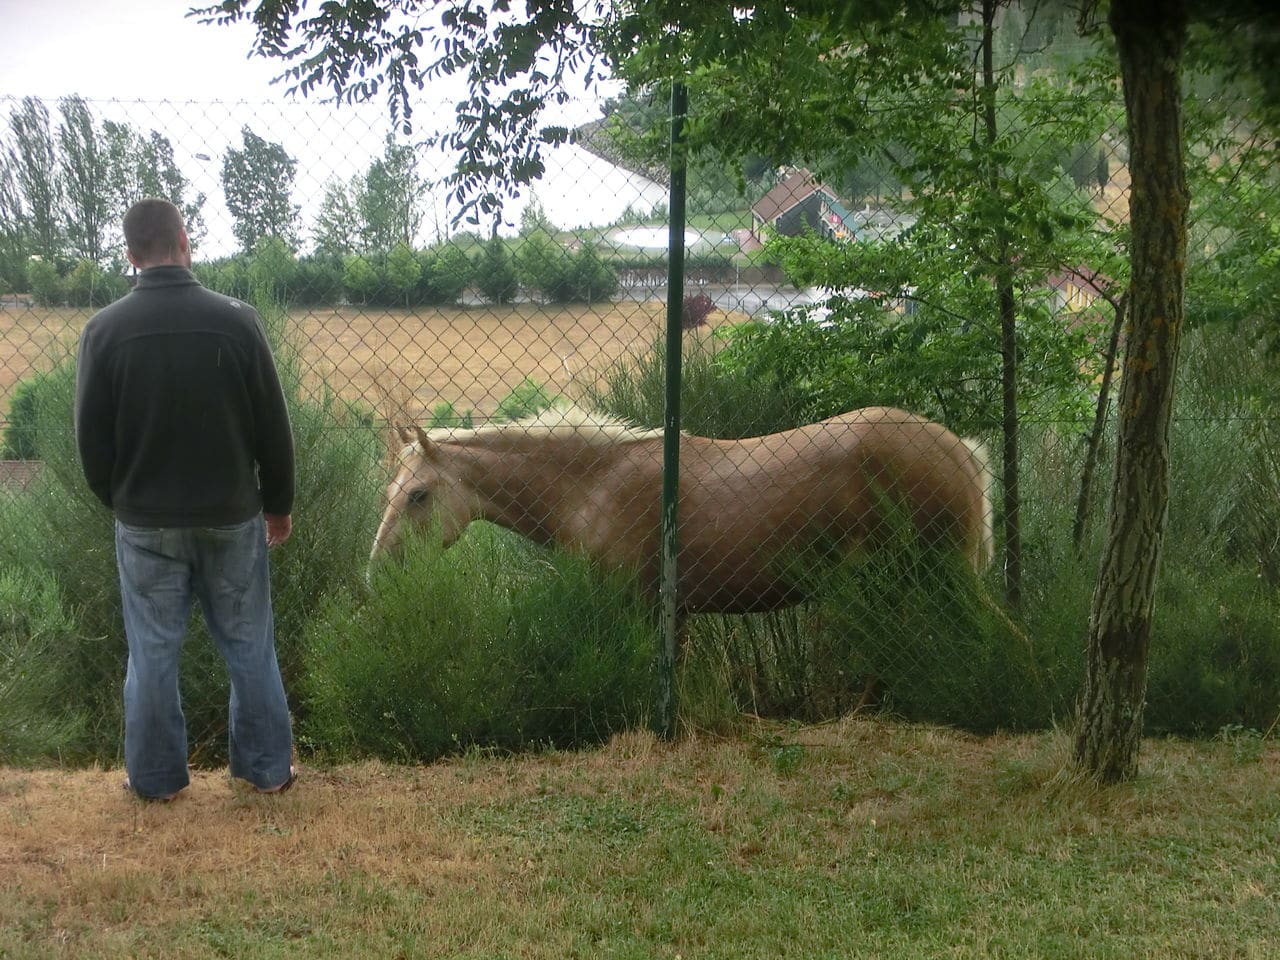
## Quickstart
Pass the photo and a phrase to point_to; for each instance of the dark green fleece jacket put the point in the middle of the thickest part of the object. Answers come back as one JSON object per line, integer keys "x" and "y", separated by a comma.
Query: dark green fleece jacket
{"x": 180, "y": 419}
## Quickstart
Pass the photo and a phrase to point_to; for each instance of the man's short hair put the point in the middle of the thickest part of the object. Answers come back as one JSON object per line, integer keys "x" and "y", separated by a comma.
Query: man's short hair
{"x": 152, "y": 228}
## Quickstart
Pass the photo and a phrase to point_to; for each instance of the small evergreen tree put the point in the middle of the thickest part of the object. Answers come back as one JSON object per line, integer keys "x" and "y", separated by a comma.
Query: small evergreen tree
{"x": 446, "y": 272}
{"x": 543, "y": 265}
{"x": 44, "y": 282}
{"x": 496, "y": 272}
{"x": 88, "y": 285}
{"x": 592, "y": 279}
{"x": 361, "y": 279}
{"x": 403, "y": 273}
{"x": 271, "y": 269}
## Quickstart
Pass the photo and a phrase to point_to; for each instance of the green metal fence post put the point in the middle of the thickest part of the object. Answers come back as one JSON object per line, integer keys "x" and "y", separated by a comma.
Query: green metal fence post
{"x": 667, "y": 708}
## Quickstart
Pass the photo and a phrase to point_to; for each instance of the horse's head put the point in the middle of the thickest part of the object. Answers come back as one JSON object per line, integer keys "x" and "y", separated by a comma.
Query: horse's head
{"x": 425, "y": 490}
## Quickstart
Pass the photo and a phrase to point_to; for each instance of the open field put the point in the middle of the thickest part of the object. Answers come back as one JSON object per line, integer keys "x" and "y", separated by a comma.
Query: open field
{"x": 863, "y": 838}
{"x": 34, "y": 339}
{"x": 471, "y": 357}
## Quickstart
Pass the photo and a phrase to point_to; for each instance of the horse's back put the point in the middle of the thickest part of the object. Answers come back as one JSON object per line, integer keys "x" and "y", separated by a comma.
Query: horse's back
{"x": 847, "y": 479}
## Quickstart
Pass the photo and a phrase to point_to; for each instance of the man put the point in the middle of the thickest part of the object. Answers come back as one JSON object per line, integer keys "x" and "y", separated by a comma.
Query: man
{"x": 183, "y": 433}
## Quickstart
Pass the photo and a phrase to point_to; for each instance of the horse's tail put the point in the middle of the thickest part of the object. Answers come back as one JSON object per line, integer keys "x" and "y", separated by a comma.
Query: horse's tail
{"x": 985, "y": 546}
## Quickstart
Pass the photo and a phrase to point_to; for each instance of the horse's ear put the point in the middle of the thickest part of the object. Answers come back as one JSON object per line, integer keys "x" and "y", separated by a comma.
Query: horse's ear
{"x": 404, "y": 433}
{"x": 425, "y": 445}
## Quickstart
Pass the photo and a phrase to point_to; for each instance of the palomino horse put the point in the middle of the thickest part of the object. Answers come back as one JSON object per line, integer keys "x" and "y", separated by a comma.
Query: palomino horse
{"x": 594, "y": 485}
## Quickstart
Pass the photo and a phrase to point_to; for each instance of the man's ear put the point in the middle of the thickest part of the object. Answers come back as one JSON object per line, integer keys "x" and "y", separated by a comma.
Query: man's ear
{"x": 131, "y": 258}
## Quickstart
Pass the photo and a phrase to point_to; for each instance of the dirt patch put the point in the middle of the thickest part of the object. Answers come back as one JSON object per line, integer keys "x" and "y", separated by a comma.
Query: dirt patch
{"x": 405, "y": 360}
{"x": 33, "y": 339}
{"x": 413, "y": 360}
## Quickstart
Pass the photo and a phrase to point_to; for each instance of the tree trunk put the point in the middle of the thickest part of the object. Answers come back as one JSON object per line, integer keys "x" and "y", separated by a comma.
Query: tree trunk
{"x": 1093, "y": 447}
{"x": 1007, "y": 310}
{"x": 1150, "y": 35}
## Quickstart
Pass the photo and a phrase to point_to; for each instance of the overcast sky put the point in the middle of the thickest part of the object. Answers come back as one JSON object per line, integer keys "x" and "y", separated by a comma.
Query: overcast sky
{"x": 199, "y": 88}
{"x": 126, "y": 49}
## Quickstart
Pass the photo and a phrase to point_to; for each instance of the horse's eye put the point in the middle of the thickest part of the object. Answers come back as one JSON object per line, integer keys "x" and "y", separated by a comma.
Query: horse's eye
{"x": 418, "y": 496}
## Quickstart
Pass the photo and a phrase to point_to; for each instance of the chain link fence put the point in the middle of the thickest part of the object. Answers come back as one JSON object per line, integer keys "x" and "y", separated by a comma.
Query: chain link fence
{"x": 805, "y": 296}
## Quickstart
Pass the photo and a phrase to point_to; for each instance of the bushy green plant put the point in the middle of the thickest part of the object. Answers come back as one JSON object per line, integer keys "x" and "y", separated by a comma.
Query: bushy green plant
{"x": 13, "y": 261}
{"x": 925, "y": 627}
{"x": 444, "y": 414}
{"x": 272, "y": 267}
{"x": 44, "y": 282}
{"x": 22, "y": 432}
{"x": 228, "y": 276}
{"x": 591, "y": 278}
{"x": 494, "y": 642}
{"x": 36, "y": 631}
{"x": 447, "y": 271}
{"x": 317, "y": 282}
{"x": 88, "y": 285}
{"x": 65, "y": 530}
{"x": 542, "y": 264}
{"x": 527, "y": 399}
{"x": 717, "y": 400}
{"x": 1215, "y": 657}
{"x": 496, "y": 273}
{"x": 362, "y": 280}
{"x": 402, "y": 273}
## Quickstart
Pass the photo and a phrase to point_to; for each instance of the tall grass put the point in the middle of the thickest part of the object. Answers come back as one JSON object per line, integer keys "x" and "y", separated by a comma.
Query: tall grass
{"x": 716, "y": 401}
{"x": 500, "y": 643}
{"x": 935, "y": 642}
{"x": 35, "y": 629}
{"x": 57, "y": 528}
{"x": 496, "y": 643}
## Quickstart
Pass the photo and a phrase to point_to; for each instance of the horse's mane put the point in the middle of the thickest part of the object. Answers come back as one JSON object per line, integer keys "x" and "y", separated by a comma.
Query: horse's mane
{"x": 588, "y": 425}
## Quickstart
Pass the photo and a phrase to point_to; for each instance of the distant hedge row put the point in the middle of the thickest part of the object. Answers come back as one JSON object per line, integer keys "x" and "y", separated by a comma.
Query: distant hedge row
{"x": 537, "y": 264}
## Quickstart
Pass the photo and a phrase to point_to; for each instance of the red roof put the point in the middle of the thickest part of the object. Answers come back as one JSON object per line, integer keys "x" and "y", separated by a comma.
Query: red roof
{"x": 797, "y": 187}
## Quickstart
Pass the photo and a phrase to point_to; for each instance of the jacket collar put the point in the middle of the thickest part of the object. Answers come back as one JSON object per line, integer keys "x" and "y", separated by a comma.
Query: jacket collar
{"x": 167, "y": 276}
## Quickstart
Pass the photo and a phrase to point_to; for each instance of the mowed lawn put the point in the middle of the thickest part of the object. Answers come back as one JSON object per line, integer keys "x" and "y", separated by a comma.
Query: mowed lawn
{"x": 403, "y": 362}
{"x": 863, "y": 838}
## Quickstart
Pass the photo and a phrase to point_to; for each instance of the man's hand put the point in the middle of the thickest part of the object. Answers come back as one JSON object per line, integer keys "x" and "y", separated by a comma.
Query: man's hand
{"x": 279, "y": 526}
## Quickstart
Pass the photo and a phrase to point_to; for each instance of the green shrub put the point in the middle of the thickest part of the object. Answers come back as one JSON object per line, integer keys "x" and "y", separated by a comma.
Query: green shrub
{"x": 527, "y": 399}
{"x": 21, "y": 435}
{"x": 542, "y": 264}
{"x": 88, "y": 285}
{"x": 591, "y": 279}
{"x": 496, "y": 273}
{"x": 402, "y": 273}
{"x": 444, "y": 414}
{"x": 911, "y": 623}
{"x": 716, "y": 399}
{"x": 44, "y": 282}
{"x": 13, "y": 262}
{"x": 447, "y": 271}
{"x": 58, "y": 525}
{"x": 36, "y": 632}
{"x": 1215, "y": 653}
{"x": 317, "y": 282}
{"x": 228, "y": 276}
{"x": 272, "y": 268}
{"x": 362, "y": 280}
{"x": 495, "y": 643}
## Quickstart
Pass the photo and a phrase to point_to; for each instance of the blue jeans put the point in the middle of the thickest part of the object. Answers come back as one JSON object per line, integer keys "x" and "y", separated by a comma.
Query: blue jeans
{"x": 161, "y": 570}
